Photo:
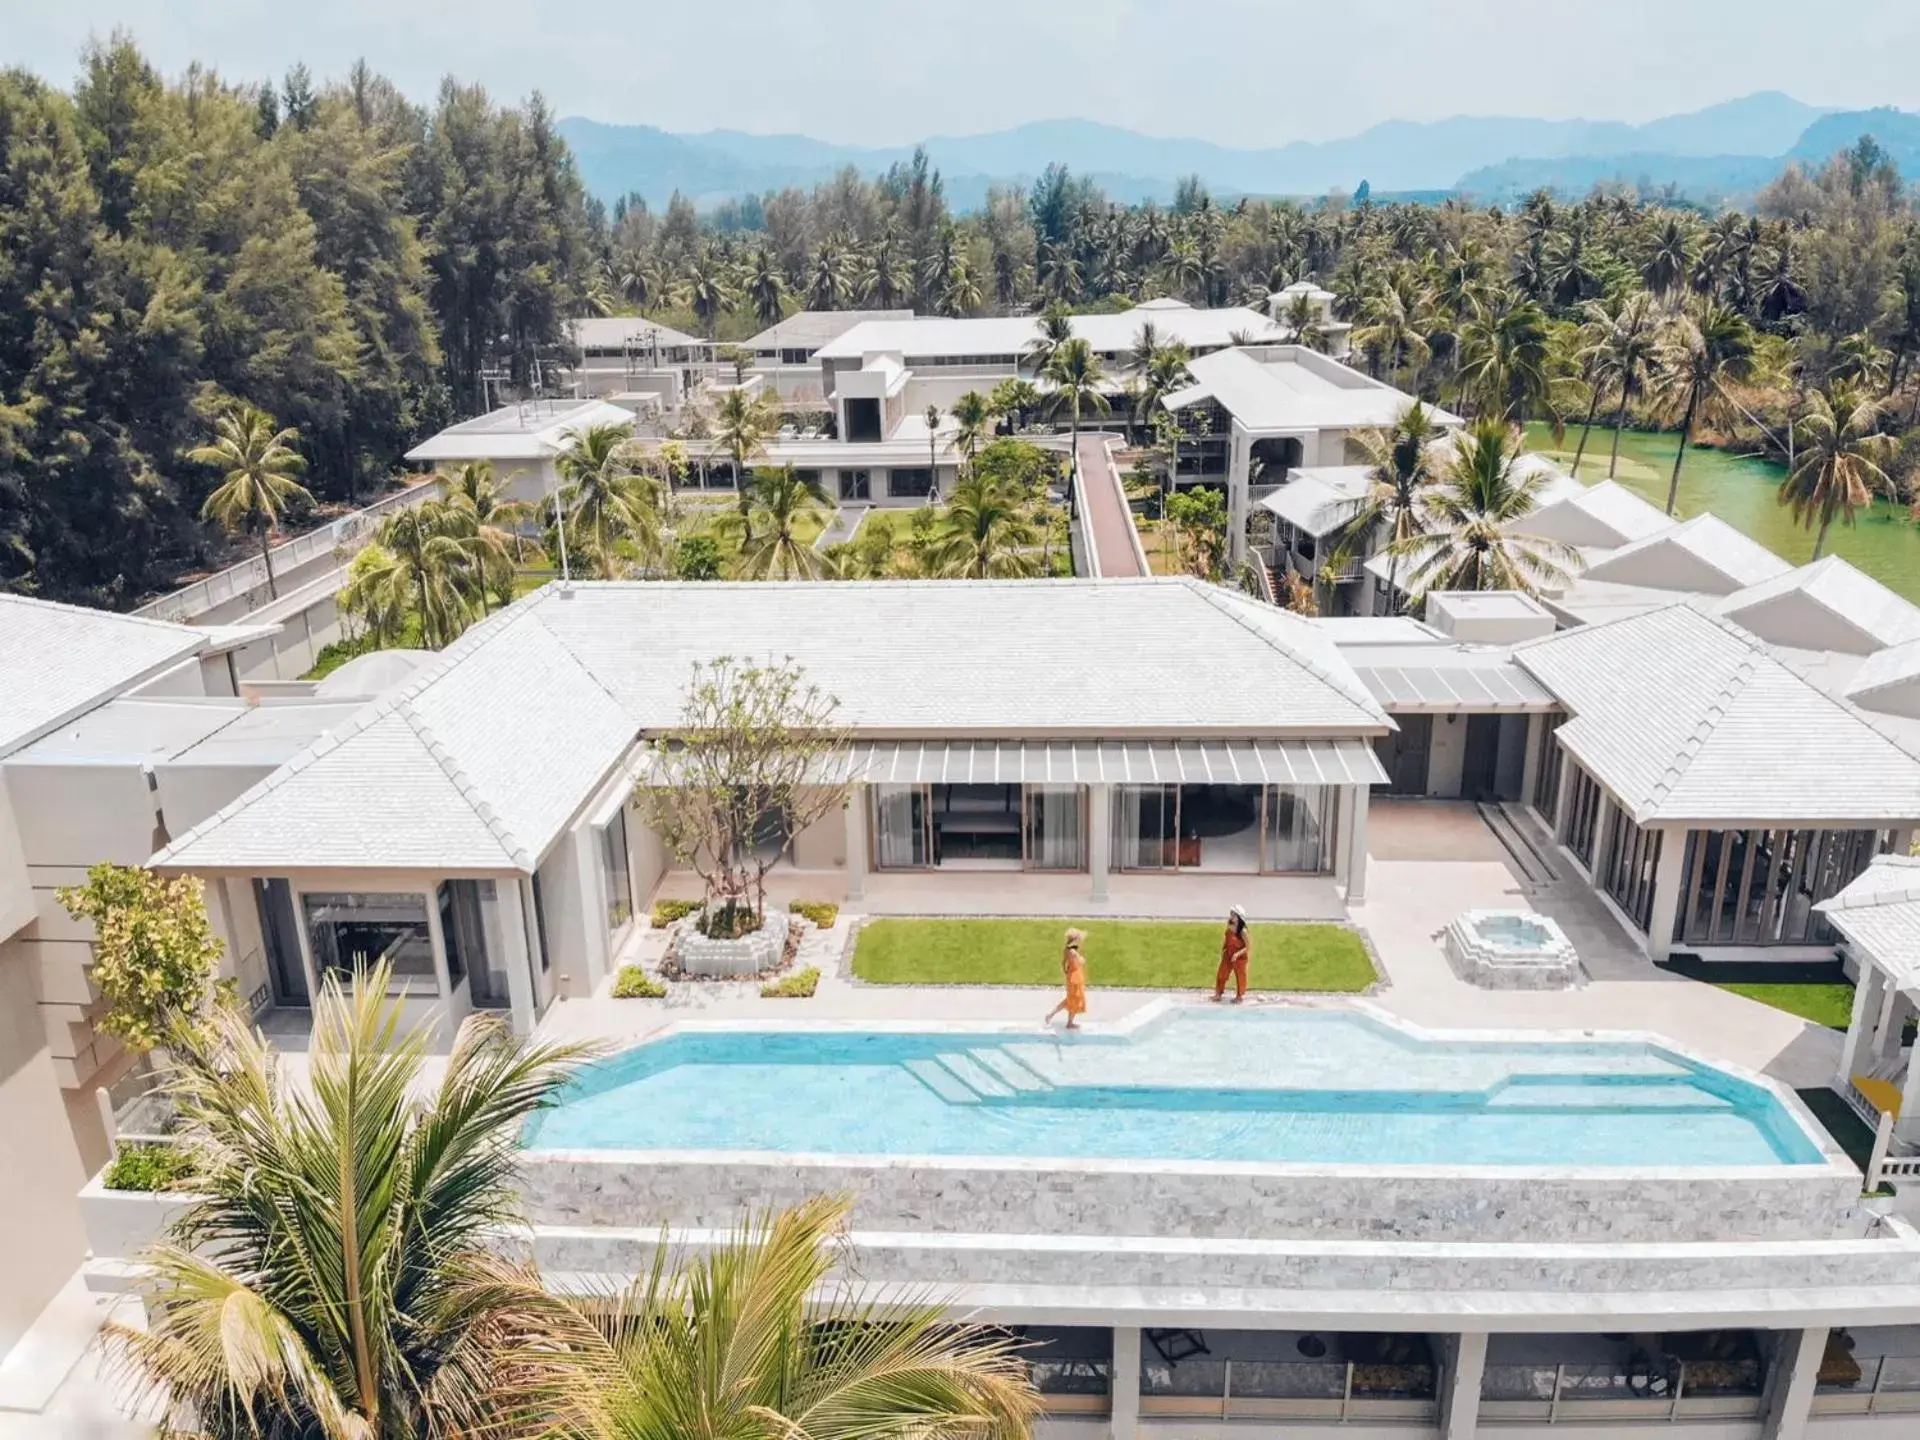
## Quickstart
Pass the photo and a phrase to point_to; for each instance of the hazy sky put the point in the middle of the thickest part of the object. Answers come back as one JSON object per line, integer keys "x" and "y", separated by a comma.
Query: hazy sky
{"x": 1245, "y": 72}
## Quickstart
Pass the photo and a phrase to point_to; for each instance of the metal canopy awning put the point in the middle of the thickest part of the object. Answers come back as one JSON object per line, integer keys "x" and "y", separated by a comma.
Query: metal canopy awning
{"x": 1156, "y": 762}
{"x": 1454, "y": 689}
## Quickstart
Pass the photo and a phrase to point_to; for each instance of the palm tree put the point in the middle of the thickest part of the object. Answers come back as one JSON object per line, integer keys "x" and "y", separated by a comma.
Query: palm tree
{"x": 257, "y": 463}
{"x": 1302, "y": 318}
{"x": 1015, "y": 399}
{"x": 1670, "y": 259}
{"x": 1504, "y": 355}
{"x": 974, "y": 414}
{"x": 1697, "y": 357}
{"x": 1075, "y": 374}
{"x": 1388, "y": 515}
{"x": 778, "y": 502}
{"x": 1390, "y": 331}
{"x": 883, "y": 278}
{"x": 332, "y": 1275}
{"x": 1146, "y": 344}
{"x": 706, "y": 289}
{"x": 828, "y": 284}
{"x": 932, "y": 417}
{"x": 742, "y": 425}
{"x": 1470, "y": 533}
{"x": 752, "y": 1339}
{"x": 1630, "y": 343}
{"x": 1841, "y": 458}
{"x": 766, "y": 286}
{"x": 960, "y": 293}
{"x": 1165, "y": 372}
{"x": 422, "y": 563}
{"x": 612, "y": 511}
{"x": 1056, "y": 329}
{"x": 988, "y": 533}
{"x": 497, "y": 543}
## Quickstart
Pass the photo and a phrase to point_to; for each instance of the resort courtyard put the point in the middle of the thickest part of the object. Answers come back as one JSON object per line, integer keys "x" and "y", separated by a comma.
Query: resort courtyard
{"x": 1429, "y": 861}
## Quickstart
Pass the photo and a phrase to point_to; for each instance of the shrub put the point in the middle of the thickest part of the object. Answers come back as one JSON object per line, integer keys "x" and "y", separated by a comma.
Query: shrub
{"x": 797, "y": 986}
{"x": 821, "y": 912}
{"x": 149, "y": 1167}
{"x": 665, "y": 912}
{"x": 633, "y": 983}
{"x": 154, "y": 950}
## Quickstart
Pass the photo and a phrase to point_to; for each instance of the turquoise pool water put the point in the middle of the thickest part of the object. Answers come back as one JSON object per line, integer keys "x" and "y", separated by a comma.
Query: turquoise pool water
{"x": 1196, "y": 1084}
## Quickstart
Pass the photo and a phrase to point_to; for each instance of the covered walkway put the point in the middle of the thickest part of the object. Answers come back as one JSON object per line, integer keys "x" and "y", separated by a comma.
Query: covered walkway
{"x": 1116, "y": 546}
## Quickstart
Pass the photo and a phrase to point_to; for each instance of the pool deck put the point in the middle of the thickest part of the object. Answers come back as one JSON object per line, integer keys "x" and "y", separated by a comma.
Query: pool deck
{"x": 1411, "y": 898}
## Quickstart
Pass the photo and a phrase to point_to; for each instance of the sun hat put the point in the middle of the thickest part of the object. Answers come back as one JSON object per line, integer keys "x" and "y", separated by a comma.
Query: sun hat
{"x": 1236, "y": 912}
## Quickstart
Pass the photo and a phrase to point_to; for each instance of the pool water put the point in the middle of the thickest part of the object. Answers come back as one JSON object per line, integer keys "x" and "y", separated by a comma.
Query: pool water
{"x": 1195, "y": 1084}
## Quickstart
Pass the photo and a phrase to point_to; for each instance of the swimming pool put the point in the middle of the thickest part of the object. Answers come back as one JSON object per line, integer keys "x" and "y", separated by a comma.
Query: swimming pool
{"x": 1196, "y": 1083}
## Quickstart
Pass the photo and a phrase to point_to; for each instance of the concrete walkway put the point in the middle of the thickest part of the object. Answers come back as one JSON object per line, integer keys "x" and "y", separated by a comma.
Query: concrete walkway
{"x": 1108, "y": 519}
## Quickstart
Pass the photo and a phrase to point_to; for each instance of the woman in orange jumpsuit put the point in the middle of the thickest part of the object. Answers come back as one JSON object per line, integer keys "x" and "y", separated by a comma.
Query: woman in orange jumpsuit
{"x": 1234, "y": 952}
{"x": 1073, "y": 968}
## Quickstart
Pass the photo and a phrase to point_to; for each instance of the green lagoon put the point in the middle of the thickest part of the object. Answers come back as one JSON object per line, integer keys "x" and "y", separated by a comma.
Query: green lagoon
{"x": 1744, "y": 492}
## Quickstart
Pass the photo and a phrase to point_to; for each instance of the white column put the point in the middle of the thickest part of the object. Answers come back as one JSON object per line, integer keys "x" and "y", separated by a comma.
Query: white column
{"x": 1239, "y": 466}
{"x": 1603, "y": 824}
{"x": 1796, "y": 1367}
{"x": 518, "y": 959}
{"x": 1668, "y": 879}
{"x": 1558, "y": 820}
{"x": 593, "y": 908}
{"x": 1530, "y": 776}
{"x": 1466, "y": 1364}
{"x": 1343, "y": 834}
{"x": 1357, "y": 848}
{"x": 1124, "y": 1381}
{"x": 1863, "y": 1028}
{"x": 857, "y": 806}
{"x": 1099, "y": 862}
{"x": 1907, "y": 1127}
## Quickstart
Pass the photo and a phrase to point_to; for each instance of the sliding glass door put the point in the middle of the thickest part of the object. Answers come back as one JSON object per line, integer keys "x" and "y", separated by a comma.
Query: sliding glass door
{"x": 1056, "y": 828}
{"x": 1146, "y": 827}
{"x": 902, "y": 834}
{"x": 1300, "y": 829}
{"x": 986, "y": 827}
{"x": 1229, "y": 829}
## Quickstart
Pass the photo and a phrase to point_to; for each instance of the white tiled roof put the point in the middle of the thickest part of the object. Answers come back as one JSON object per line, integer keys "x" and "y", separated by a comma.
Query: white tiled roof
{"x": 1880, "y": 913}
{"x": 609, "y": 332}
{"x": 1606, "y": 515}
{"x": 1319, "y": 500}
{"x": 1704, "y": 555}
{"x": 1828, "y": 605}
{"x": 531, "y": 431}
{"x": 810, "y": 329}
{"x": 57, "y": 661}
{"x": 481, "y": 760}
{"x": 1011, "y": 334}
{"x": 1889, "y": 680}
{"x": 1686, "y": 717}
{"x": 478, "y": 763}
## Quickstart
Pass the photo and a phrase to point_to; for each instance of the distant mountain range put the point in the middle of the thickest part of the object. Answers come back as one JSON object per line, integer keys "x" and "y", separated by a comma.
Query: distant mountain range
{"x": 1723, "y": 150}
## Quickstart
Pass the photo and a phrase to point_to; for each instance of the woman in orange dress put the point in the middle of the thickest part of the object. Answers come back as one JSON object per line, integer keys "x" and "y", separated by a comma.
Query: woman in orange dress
{"x": 1073, "y": 967}
{"x": 1234, "y": 952}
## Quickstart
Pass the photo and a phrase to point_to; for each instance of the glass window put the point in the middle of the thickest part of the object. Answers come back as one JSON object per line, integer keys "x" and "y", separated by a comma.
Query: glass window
{"x": 1056, "y": 827}
{"x": 470, "y": 928}
{"x": 856, "y": 485}
{"x": 1759, "y": 887}
{"x": 1300, "y": 827}
{"x": 359, "y": 931}
{"x": 540, "y": 926}
{"x": 910, "y": 484}
{"x": 1145, "y": 826}
{"x": 901, "y": 839}
{"x": 278, "y": 932}
{"x": 619, "y": 877}
{"x": 450, "y": 936}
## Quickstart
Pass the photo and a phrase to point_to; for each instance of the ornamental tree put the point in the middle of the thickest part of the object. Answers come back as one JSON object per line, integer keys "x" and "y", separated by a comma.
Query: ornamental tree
{"x": 758, "y": 756}
{"x": 154, "y": 950}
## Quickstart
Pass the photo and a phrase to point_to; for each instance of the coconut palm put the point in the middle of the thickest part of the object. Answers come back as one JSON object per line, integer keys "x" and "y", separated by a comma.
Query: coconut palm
{"x": 1698, "y": 356}
{"x": 883, "y": 273}
{"x": 1055, "y": 327}
{"x": 706, "y": 289}
{"x": 497, "y": 544}
{"x": 755, "y": 1338}
{"x": 257, "y": 463}
{"x": 1075, "y": 375}
{"x": 766, "y": 286}
{"x": 988, "y": 533}
{"x": 422, "y": 564}
{"x": 1504, "y": 355}
{"x": 778, "y": 501}
{"x": 1669, "y": 259}
{"x": 1471, "y": 529}
{"x": 1164, "y": 372}
{"x": 1388, "y": 514}
{"x": 742, "y": 425}
{"x": 332, "y": 1276}
{"x": 1627, "y": 349}
{"x": 829, "y": 280}
{"x": 1840, "y": 459}
{"x": 1015, "y": 399}
{"x": 973, "y": 413}
{"x": 1390, "y": 331}
{"x": 612, "y": 510}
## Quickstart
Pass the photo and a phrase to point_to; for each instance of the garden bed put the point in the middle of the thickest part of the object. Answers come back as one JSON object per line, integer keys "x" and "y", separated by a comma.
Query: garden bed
{"x": 1123, "y": 954}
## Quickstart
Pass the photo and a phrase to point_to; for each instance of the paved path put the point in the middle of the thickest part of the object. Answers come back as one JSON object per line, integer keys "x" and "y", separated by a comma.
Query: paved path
{"x": 1107, "y": 515}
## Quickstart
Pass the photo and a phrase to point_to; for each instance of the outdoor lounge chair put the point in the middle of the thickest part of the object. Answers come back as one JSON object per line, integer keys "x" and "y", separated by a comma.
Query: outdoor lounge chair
{"x": 1174, "y": 1346}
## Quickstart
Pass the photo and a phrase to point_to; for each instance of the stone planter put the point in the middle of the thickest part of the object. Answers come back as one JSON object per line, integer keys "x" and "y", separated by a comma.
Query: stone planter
{"x": 1511, "y": 950}
{"x": 698, "y": 956}
{"x": 122, "y": 1223}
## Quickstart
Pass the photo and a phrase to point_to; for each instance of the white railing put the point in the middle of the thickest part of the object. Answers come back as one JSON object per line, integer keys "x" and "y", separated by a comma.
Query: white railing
{"x": 191, "y": 601}
{"x": 1086, "y": 560}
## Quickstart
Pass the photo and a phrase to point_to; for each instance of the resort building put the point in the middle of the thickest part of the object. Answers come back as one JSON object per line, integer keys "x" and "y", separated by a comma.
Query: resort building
{"x": 521, "y": 441}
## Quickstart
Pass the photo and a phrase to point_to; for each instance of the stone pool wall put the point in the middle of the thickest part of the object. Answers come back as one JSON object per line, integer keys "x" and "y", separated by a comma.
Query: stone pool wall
{"x": 629, "y": 1189}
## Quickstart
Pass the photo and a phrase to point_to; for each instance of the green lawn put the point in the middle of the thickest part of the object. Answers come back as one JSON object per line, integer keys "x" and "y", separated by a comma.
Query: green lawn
{"x": 1158, "y": 955}
{"x": 1823, "y": 1004}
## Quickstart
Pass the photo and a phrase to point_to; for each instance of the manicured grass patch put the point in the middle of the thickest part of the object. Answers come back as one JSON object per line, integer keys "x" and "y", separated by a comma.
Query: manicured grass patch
{"x": 1829, "y": 1005}
{"x": 1145, "y": 954}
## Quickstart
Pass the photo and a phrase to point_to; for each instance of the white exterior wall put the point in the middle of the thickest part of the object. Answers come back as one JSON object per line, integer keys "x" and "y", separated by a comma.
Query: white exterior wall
{"x": 16, "y": 888}
{"x": 1447, "y": 757}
